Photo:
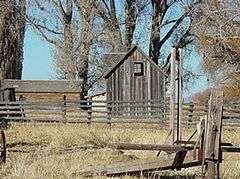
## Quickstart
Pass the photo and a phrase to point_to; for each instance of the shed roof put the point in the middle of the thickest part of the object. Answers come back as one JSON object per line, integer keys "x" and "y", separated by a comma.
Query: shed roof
{"x": 47, "y": 86}
{"x": 125, "y": 57}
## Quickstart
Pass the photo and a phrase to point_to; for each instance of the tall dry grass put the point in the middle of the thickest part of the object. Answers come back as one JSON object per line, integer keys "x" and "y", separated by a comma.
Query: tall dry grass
{"x": 62, "y": 150}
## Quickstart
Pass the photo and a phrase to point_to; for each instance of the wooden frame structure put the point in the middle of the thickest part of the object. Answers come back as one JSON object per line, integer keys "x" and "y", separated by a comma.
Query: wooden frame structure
{"x": 206, "y": 151}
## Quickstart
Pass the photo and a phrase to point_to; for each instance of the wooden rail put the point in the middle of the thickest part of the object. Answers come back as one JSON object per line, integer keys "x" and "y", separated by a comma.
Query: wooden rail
{"x": 206, "y": 150}
{"x": 141, "y": 166}
{"x": 93, "y": 111}
{"x": 82, "y": 111}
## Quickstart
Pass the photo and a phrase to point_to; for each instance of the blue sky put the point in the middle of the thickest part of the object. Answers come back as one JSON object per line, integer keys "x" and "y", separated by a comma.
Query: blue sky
{"x": 37, "y": 57}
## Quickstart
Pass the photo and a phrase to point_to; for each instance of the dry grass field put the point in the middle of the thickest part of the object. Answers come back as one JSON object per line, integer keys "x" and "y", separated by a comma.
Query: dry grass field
{"x": 61, "y": 150}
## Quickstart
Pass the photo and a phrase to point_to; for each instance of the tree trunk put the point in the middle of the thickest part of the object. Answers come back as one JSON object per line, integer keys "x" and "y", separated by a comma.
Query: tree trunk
{"x": 68, "y": 46}
{"x": 130, "y": 22}
{"x": 6, "y": 15}
{"x": 155, "y": 41}
{"x": 86, "y": 12}
{"x": 84, "y": 76}
{"x": 21, "y": 35}
{"x": 116, "y": 28}
{"x": 12, "y": 32}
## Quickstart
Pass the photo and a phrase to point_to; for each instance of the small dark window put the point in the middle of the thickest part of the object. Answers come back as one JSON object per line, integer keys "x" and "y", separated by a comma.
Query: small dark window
{"x": 138, "y": 68}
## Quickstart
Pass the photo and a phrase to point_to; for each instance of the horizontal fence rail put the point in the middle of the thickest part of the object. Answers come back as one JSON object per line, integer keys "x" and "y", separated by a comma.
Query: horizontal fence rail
{"x": 94, "y": 111}
{"x": 83, "y": 111}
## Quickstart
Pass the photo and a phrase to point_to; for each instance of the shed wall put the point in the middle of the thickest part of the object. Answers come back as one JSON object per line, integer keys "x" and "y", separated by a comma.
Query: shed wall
{"x": 124, "y": 85}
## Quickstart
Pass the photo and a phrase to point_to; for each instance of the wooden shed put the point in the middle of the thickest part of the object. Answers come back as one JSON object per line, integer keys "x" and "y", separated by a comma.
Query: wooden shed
{"x": 43, "y": 90}
{"x": 135, "y": 77}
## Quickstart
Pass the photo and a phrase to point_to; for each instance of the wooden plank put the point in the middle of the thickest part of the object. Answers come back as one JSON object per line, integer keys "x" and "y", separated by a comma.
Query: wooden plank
{"x": 10, "y": 112}
{"x": 33, "y": 107}
{"x": 110, "y": 101}
{"x": 89, "y": 110}
{"x": 137, "y": 167}
{"x": 213, "y": 133}
{"x": 167, "y": 148}
{"x": 49, "y": 103}
{"x": 180, "y": 95}
{"x": 100, "y": 107}
{"x": 81, "y": 119}
{"x": 214, "y": 125}
{"x": 172, "y": 95}
{"x": 135, "y": 112}
{"x": 230, "y": 149}
{"x": 17, "y": 107}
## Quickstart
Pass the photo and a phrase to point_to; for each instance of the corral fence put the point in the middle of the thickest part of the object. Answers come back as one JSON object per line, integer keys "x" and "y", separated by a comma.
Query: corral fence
{"x": 145, "y": 111}
{"x": 193, "y": 111}
{"x": 97, "y": 111}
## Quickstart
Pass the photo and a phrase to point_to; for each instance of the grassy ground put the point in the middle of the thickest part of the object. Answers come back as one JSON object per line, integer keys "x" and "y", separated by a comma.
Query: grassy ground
{"x": 62, "y": 150}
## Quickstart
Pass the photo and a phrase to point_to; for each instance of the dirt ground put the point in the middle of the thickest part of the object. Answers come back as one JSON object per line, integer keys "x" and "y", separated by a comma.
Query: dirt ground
{"x": 62, "y": 150}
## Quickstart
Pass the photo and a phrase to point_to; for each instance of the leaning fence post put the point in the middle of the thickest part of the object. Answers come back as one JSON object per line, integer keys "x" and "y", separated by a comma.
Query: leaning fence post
{"x": 64, "y": 111}
{"x": 89, "y": 111}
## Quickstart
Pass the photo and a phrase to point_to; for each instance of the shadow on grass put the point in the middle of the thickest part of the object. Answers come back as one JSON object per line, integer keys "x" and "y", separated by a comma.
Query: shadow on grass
{"x": 24, "y": 144}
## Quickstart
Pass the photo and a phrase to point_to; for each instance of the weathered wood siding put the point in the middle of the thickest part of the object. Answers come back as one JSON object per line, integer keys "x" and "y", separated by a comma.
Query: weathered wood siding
{"x": 43, "y": 90}
{"x": 40, "y": 96}
{"x": 124, "y": 85}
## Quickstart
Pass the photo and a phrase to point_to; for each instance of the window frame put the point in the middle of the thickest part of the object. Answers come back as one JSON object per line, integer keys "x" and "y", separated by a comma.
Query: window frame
{"x": 136, "y": 70}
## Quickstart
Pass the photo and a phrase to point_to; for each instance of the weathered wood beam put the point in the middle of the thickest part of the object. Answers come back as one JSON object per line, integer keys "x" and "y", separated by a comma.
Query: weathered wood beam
{"x": 180, "y": 95}
{"x": 167, "y": 148}
{"x": 225, "y": 147}
{"x": 232, "y": 149}
{"x": 141, "y": 166}
{"x": 173, "y": 95}
{"x": 193, "y": 143}
{"x": 213, "y": 128}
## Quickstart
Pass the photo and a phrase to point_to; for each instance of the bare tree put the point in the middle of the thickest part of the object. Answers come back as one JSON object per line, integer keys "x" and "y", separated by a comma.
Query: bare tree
{"x": 72, "y": 27}
{"x": 217, "y": 28}
{"x": 131, "y": 21}
{"x": 160, "y": 8}
{"x": 86, "y": 12}
{"x": 81, "y": 31}
{"x": 107, "y": 10}
{"x": 12, "y": 32}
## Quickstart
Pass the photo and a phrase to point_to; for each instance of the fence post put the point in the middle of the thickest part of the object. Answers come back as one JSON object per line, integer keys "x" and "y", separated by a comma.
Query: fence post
{"x": 206, "y": 107}
{"x": 21, "y": 99}
{"x": 180, "y": 94}
{"x": 213, "y": 153}
{"x": 89, "y": 111}
{"x": 190, "y": 110}
{"x": 64, "y": 110}
{"x": 173, "y": 95}
{"x": 4, "y": 150}
{"x": 109, "y": 112}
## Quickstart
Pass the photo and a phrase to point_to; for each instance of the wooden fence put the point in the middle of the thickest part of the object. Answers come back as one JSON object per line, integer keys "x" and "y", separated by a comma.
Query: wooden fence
{"x": 95, "y": 111}
{"x": 147, "y": 111}
{"x": 193, "y": 111}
